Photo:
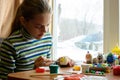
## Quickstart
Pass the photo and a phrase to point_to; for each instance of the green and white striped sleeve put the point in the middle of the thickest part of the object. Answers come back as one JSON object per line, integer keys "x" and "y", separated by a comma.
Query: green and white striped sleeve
{"x": 7, "y": 61}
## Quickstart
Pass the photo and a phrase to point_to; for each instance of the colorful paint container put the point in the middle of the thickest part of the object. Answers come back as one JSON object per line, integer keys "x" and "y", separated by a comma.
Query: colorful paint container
{"x": 53, "y": 69}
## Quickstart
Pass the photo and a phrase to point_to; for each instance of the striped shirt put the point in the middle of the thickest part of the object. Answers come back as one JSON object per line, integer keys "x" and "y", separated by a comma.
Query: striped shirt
{"x": 19, "y": 51}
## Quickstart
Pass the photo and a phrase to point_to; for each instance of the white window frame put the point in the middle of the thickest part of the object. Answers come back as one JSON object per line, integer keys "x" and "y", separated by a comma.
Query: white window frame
{"x": 111, "y": 25}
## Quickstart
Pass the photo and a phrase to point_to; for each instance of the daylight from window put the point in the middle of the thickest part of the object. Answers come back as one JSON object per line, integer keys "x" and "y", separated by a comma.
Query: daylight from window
{"x": 80, "y": 28}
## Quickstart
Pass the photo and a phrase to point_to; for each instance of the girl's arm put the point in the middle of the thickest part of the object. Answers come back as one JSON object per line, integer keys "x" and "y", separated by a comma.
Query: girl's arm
{"x": 7, "y": 61}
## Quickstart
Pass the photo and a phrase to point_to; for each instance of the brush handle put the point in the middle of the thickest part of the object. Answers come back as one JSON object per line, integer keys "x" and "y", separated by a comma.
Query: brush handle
{"x": 45, "y": 75}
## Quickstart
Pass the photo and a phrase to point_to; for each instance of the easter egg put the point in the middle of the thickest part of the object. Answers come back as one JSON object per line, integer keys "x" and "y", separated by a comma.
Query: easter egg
{"x": 110, "y": 58}
{"x": 76, "y": 68}
{"x": 40, "y": 70}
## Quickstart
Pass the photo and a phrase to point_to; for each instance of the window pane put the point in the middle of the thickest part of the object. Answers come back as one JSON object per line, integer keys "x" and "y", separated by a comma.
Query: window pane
{"x": 80, "y": 28}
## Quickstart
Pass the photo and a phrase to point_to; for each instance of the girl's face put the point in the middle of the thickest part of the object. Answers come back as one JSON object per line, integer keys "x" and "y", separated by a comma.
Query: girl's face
{"x": 38, "y": 25}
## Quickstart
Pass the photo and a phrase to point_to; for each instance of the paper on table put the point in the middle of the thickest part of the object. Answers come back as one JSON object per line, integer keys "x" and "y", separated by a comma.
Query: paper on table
{"x": 93, "y": 78}
{"x": 84, "y": 78}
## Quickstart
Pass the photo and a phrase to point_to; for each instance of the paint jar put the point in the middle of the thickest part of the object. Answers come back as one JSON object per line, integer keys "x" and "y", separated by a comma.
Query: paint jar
{"x": 53, "y": 69}
{"x": 85, "y": 67}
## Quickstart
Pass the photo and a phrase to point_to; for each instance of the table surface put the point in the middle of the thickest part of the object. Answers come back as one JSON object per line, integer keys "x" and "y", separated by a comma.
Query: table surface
{"x": 26, "y": 75}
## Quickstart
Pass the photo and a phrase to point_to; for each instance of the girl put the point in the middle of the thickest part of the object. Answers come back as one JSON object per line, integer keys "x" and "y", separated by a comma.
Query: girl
{"x": 29, "y": 43}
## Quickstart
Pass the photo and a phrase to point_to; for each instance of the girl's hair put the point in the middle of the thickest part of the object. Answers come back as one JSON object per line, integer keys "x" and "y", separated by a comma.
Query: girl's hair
{"x": 28, "y": 9}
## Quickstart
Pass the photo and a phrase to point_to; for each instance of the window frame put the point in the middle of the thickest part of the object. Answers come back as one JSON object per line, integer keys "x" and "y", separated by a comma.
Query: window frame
{"x": 111, "y": 25}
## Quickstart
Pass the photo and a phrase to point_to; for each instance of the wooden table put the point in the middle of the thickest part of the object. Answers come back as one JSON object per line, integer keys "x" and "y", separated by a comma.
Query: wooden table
{"x": 26, "y": 75}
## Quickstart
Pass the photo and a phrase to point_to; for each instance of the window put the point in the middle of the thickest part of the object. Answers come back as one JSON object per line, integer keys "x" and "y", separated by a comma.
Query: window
{"x": 78, "y": 28}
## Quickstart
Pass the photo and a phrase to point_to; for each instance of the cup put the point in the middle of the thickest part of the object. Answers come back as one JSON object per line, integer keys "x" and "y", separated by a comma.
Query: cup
{"x": 53, "y": 69}
{"x": 85, "y": 67}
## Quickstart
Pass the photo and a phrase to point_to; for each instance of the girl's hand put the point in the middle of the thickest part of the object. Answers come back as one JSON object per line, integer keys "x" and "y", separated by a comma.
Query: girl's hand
{"x": 42, "y": 61}
{"x": 71, "y": 63}
{"x": 65, "y": 61}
